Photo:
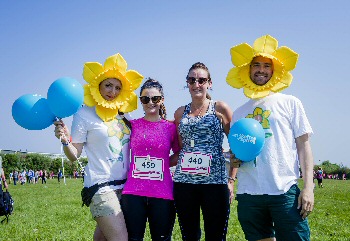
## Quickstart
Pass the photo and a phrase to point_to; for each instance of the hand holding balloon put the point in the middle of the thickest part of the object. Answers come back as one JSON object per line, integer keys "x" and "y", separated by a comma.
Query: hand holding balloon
{"x": 61, "y": 131}
{"x": 246, "y": 139}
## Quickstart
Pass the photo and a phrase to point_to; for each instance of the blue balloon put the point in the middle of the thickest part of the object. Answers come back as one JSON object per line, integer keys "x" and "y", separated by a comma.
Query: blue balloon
{"x": 65, "y": 96}
{"x": 246, "y": 139}
{"x": 32, "y": 112}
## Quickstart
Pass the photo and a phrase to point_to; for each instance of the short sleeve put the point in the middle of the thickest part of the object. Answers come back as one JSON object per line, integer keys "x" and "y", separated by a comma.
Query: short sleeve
{"x": 79, "y": 130}
{"x": 300, "y": 122}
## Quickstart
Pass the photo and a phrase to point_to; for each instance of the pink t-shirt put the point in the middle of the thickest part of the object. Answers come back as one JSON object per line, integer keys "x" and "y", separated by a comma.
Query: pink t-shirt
{"x": 149, "y": 173}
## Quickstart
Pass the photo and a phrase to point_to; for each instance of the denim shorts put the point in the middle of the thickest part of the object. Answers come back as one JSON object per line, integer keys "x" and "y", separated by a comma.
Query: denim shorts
{"x": 266, "y": 216}
{"x": 106, "y": 204}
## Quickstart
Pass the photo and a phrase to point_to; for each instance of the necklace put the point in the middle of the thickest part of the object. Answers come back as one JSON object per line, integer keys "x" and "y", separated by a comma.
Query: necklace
{"x": 200, "y": 110}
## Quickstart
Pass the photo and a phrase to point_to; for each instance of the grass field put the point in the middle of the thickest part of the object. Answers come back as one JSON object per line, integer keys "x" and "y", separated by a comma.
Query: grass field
{"x": 53, "y": 212}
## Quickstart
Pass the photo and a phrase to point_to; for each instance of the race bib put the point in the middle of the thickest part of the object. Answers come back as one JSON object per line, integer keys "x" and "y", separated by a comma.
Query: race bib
{"x": 196, "y": 163}
{"x": 146, "y": 167}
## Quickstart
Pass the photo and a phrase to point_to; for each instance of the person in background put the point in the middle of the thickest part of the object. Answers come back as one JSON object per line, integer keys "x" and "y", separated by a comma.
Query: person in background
{"x": 2, "y": 177}
{"x": 43, "y": 176}
{"x": 2, "y": 181}
{"x": 15, "y": 177}
{"x": 148, "y": 192}
{"x": 200, "y": 178}
{"x": 36, "y": 175}
{"x": 270, "y": 203}
{"x": 319, "y": 176}
{"x": 10, "y": 177}
{"x": 100, "y": 128}
{"x": 59, "y": 175}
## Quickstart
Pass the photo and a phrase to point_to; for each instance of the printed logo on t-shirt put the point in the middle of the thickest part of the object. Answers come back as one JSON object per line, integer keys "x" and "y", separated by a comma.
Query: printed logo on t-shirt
{"x": 263, "y": 117}
{"x": 116, "y": 132}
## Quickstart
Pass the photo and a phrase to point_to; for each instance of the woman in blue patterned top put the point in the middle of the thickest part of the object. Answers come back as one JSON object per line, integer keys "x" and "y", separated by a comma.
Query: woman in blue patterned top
{"x": 201, "y": 181}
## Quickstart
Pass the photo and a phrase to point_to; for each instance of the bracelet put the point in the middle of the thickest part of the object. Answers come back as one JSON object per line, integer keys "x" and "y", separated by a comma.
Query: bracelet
{"x": 232, "y": 179}
{"x": 65, "y": 144}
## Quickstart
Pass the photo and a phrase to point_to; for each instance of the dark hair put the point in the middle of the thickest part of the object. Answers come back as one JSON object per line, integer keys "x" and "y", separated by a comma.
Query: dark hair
{"x": 152, "y": 83}
{"x": 200, "y": 65}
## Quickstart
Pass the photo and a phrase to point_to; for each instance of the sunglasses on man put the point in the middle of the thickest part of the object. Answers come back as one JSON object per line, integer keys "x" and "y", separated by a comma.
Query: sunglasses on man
{"x": 155, "y": 99}
{"x": 193, "y": 80}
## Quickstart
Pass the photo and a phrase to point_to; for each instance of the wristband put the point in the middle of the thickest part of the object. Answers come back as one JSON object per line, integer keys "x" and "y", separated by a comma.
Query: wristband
{"x": 65, "y": 144}
{"x": 69, "y": 141}
{"x": 232, "y": 179}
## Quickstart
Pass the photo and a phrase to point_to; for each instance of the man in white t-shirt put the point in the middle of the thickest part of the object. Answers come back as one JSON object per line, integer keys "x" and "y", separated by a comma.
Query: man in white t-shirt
{"x": 270, "y": 203}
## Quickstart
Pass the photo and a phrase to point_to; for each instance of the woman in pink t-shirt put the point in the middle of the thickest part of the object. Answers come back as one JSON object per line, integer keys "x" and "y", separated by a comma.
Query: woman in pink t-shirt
{"x": 148, "y": 192}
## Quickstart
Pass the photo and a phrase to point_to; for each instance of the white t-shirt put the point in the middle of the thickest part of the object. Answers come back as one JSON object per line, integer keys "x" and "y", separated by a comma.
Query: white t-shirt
{"x": 276, "y": 168}
{"x": 106, "y": 145}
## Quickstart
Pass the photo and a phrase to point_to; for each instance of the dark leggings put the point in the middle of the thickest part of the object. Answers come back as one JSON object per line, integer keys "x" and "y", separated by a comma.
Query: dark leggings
{"x": 213, "y": 199}
{"x": 159, "y": 212}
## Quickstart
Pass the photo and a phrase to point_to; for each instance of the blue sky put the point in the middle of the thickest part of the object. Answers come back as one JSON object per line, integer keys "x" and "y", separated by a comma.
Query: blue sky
{"x": 42, "y": 41}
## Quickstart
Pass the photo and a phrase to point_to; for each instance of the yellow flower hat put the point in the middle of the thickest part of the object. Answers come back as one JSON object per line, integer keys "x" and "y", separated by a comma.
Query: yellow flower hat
{"x": 284, "y": 60}
{"x": 114, "y": 67}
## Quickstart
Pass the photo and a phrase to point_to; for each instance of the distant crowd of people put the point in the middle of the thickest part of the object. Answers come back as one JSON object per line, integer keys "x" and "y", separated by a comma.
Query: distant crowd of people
{"x": 36, "y": 176}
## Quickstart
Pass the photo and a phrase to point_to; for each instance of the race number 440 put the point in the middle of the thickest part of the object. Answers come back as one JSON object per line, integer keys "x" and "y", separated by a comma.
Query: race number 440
{"x": 196, "y": 163}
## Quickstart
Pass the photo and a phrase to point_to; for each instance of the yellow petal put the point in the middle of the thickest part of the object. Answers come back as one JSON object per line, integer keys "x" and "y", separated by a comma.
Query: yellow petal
{"x": 88, "y": 99}
{"x": 131, "y": 104}
{"x": 241, "y": 54}
{"x": 253, "y": 94}
{"x": 265, "y": 124}
{"x": 91, "y": 70}
{"x": 116, "y": 61}
{"x": 284, "y": 82}
{"x": 250, "y": 116}
{"x": 134, "y": 78}
{"x": 258, "y": 111}
{"x": 266, "y": 114}
{"x": 106, "y": 114}
{"x": 265, "y": 44}
{"x": 233, "y": 78}
{"x": 288, "y": 57}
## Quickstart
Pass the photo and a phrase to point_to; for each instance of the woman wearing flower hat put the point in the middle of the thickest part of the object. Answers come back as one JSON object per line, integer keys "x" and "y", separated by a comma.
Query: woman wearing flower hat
{"x": 102, "y": 131}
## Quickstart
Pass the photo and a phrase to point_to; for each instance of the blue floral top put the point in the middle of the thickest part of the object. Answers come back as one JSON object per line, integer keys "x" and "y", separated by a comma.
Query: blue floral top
{"x": 202, "y": 134}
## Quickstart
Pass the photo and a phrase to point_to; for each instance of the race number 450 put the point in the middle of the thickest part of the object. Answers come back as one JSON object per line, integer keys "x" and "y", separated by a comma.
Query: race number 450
{"x": 146, "y": 167}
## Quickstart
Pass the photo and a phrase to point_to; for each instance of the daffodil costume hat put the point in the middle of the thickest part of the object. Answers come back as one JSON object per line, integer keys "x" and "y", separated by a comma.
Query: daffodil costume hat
{"x": 114, "y": 67}
{"x": 284, "y": 60}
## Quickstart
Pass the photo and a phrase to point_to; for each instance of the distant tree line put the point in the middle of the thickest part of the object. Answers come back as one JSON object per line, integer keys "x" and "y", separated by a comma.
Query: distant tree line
{"x": 34, "y": 161}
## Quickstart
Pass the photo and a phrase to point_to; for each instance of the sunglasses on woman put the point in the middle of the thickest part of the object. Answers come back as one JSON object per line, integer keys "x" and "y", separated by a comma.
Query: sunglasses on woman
{"x": 146, "y": 99}
{"x": 193, "y": 80}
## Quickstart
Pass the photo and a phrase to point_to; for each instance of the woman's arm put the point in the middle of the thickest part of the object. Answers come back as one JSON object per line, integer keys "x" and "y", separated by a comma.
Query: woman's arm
{"x": 71, "y": 150}
{"x": 224, "y": 112}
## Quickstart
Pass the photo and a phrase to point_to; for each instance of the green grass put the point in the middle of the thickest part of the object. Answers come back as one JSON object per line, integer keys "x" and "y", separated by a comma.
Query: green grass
{"x": 53, "y": 212}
